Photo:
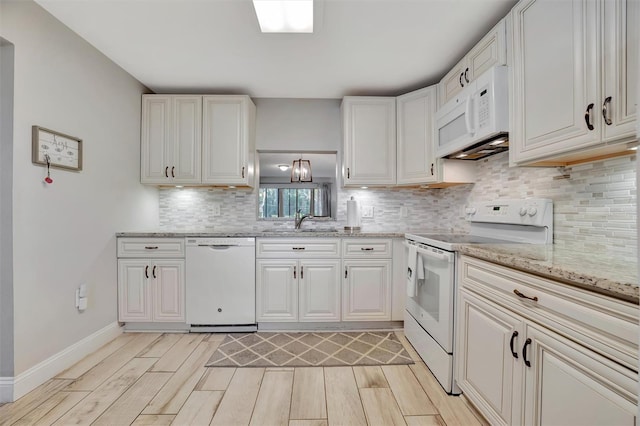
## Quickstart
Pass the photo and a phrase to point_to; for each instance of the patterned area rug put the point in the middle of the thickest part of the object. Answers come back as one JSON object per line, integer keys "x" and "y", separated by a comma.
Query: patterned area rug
{"x": 310, "y": 349}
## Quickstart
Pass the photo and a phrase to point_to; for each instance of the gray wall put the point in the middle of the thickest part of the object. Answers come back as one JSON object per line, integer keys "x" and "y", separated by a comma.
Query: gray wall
{"x": 6, "y": 222}
{"x": 64, "y": 233}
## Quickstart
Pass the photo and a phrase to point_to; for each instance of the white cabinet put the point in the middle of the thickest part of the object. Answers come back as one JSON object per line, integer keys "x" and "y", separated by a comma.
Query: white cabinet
{"x": 298, "y": 280}
{"x": 151, "y": 290}
{"x": 573, "y": 79}
{"x": 228, "y": 140}
{"x": 561, "y": 355}
{"x": 151, "y": 284}
{"x": 369, "y": 137}
{"x": 366, "y": 290}
{"x": 490, "y": 51}
{"x": 367, "y": 279}
{"x": 416, "y": 156}
{"x": 171, "y": 139}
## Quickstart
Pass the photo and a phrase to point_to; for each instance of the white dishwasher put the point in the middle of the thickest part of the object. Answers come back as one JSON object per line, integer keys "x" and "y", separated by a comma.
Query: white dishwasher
{"x": 221, "y": 284}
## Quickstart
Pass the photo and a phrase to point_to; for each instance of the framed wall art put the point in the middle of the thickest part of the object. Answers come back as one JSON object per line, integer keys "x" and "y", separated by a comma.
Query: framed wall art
{"x": 63, "y": 151}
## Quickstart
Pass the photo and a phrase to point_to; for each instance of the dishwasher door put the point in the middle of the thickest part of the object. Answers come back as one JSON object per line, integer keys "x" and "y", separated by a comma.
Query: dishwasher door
{"x": 220, "y": 281}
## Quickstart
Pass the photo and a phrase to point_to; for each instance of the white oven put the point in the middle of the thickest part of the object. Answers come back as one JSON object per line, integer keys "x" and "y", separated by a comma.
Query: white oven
{"x": 432, "y": 274}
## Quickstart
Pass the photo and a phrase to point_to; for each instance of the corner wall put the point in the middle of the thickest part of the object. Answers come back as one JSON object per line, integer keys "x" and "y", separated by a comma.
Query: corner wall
{"x": 64, "y": 233}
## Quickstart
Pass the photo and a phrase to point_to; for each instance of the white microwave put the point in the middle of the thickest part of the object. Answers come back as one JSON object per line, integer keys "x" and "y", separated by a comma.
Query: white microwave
{"x": 476, "y": 123}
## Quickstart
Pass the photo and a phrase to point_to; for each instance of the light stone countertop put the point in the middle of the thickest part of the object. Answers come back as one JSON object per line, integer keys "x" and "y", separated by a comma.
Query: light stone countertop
{"x": 601, "y": 272}
{"x": 268, "y": 233}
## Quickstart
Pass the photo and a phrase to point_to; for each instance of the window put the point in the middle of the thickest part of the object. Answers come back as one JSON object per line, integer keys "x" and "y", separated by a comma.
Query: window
{"x": 284, "y": 201}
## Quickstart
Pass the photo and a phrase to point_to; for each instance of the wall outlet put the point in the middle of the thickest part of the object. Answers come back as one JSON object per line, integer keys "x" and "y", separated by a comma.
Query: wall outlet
{"x": 404, "y": 212}
{"x": 216, "y": 209}
{"x": 367, "y": 212}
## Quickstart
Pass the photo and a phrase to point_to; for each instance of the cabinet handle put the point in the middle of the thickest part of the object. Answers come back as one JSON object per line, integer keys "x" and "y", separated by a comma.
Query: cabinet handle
{"x": 587, "y": 117}
{"x": 297, "y": 248}
{"x": 166, "y": 172}
{"x": 243, "y": 173}
{"x": 524, "y": 353}
{"x": 345, "y": 272}
{"x": 146, "y": 271}
{"x": 431, "y": 169}
{"x": 605, "y": 111}
{"x": 465, "y": 75}
{"x": 151, "y": 247}
{"x": 348, "y": 173}
{"x": 173, "y": 171}
{"x": 513, "y": 337}
{"x": 153, "y": 271}
{"x": 301, "y": 272}
{"x": 366, "y": 248}
{"x": 460, "y": 80}
{"x": 524, "y": 296}
{"x": 294, "y": 272}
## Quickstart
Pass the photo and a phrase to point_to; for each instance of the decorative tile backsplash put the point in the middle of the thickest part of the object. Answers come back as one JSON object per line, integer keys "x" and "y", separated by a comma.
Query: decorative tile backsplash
{"x": 594, "y": 204}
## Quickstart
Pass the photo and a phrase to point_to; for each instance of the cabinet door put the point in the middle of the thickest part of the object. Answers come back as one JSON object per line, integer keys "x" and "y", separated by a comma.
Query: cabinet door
{"x": 554, "y": 78}
{"x": 227, "y": 138}
{"x": 452, "y": 83}
{"x": 169, "y": 290}
{"x": 369, "y": 126}
{"x": 277, "y": 290}
{"x": 487, "y": 371}
{"x": 155, "y": 139}
{"x": 134, "y": 291}
{"x": 620, "y": 68}
{"x": 187, "y": 139}
{"x": 489, "y": 52}
{"x": 319, "y": 290}
{"x": 366, "y": 290}
{"x": 416, "y": 158}
{"x": 568, "y": 384}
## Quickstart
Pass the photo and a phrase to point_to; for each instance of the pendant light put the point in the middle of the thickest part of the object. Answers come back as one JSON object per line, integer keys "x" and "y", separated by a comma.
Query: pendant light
{"x": 301, "y": 171}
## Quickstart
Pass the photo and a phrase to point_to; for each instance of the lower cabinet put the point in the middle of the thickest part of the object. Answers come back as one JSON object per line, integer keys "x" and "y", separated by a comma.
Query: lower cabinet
{"x": 298, "y": 290}
{"x": 151, "y": 290}
{"x": 519, "y": 367}
{"x": 366, "y": 291}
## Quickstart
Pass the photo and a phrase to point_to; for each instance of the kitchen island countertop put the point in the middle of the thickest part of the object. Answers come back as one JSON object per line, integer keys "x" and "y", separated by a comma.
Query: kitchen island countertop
{"x": 603, "y": 273}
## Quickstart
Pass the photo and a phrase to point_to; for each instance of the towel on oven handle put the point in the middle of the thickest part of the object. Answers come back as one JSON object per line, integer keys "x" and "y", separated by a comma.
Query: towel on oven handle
{"x": 412, "y": 272}
{"x": 420, "y": 271}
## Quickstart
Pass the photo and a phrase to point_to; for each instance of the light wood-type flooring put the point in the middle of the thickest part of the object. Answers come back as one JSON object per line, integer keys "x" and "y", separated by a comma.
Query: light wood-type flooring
{"x": 160, "y": 379}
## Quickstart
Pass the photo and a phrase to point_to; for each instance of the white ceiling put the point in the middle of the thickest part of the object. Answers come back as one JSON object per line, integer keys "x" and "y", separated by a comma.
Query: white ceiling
{"x": 359, "y": 47}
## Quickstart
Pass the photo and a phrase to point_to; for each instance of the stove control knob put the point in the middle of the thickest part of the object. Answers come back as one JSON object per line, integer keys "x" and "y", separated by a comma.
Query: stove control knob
{"x": 532, "y": 211}
{"x": 523, "y": 211}
{"x": 470, "y": 210}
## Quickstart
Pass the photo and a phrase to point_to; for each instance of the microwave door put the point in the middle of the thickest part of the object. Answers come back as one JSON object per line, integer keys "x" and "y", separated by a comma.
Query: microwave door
{"x": 455, "y": 128}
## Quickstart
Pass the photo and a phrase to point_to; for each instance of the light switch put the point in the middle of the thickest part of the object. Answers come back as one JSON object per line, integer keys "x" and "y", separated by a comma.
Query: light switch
{"x": 367, "y": 211}
{"x": 216, "y": 209}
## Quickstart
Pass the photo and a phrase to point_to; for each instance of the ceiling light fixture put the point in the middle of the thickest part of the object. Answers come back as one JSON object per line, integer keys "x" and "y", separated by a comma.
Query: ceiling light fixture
{"x": 284, "y": 16}
{"x": 283, "y": 167}
{"x": 301, "y": 171}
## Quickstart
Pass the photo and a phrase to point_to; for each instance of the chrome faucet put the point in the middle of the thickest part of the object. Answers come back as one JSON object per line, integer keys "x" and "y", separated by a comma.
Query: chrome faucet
{"x": 299, "y": 218}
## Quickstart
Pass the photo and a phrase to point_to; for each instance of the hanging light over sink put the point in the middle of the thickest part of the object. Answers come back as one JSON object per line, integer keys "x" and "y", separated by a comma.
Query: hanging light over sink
{"x": 301, "y": 171}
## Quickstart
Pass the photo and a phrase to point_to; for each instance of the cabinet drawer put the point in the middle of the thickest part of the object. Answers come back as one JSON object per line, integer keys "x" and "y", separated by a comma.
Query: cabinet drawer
{"x": 151, "y": 247}
{"x": 317, "y": 248}
{"x": 366, "y": 248}
{"x": 605, "y": 324}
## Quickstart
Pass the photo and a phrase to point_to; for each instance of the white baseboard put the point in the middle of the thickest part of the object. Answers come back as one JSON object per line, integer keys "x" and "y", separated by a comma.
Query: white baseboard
{"x": 6, "y": 389}
{"x": 25, "y": 382}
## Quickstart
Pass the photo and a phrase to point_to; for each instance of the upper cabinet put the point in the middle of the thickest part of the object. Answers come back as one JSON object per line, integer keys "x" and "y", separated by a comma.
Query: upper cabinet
{"x": 369, "y": 137}
{"x": 416, "y": 157}
{"x": 573, "y": 80}
{"x": 488, "y": 52}
{"x": 197, "y": 140}
{"x": 228, "y": 140}
{"x": 171, "y": 139}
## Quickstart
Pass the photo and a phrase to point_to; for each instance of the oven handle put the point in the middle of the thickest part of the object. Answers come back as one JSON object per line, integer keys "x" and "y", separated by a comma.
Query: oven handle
{"x": 434, "y": 255}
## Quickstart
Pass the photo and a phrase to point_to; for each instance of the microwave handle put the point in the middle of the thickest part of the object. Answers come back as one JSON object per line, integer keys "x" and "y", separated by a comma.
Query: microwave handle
{"x": 467, "y": 115}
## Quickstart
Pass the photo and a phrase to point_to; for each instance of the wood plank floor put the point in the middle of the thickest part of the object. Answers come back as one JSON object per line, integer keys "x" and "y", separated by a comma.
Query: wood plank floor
{"x": 160, "y": 379}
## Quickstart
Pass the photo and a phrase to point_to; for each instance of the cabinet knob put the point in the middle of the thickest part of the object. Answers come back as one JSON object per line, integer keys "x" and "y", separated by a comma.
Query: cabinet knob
{"x": 146, "y": 271}
{"x": 243, "y": 173}
{"x": 153, "y": 272}
{"x": 587, "y": 117}
{"x": 348, "y": 173}
{"x": 173, "y": 171}
{"x": 524, "y": 353}
{"x": 465, "y": 75}
{"x": 605, "y": 111}
{"x": 166, "y": 172}
{"x": 294, "y": 272}
{"x": 460, "y": 79}
{"x": 513, "y": 337}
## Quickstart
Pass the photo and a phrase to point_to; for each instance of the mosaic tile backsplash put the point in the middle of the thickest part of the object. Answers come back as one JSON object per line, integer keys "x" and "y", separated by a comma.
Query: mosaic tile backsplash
{"x": 594, "y": 204}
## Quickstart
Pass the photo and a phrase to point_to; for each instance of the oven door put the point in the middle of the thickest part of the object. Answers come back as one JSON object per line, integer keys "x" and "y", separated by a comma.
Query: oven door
{"x": 432, "y": 302}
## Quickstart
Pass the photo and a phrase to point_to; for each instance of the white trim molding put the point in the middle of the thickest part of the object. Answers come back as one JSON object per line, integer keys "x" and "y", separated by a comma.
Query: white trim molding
{"x": 28, "y": 380}
{"x": 6, "y": 389}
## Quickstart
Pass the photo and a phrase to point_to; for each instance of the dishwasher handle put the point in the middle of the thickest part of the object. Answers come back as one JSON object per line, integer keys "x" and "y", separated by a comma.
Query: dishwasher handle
{"x": 218, "y": 246}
